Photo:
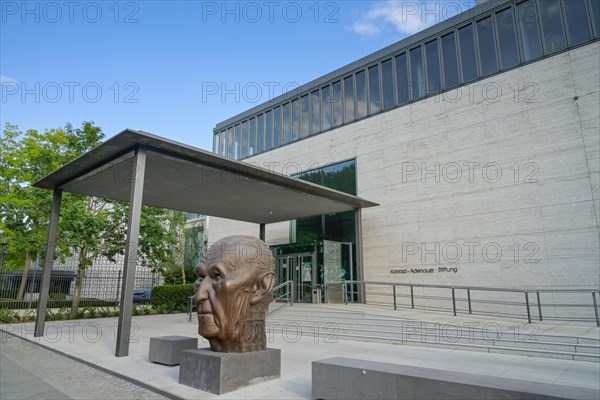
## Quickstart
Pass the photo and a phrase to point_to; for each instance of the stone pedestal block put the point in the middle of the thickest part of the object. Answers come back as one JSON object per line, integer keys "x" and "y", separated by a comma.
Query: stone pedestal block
{"x": 167, "y": 349}
{"x": 224, "y": 372}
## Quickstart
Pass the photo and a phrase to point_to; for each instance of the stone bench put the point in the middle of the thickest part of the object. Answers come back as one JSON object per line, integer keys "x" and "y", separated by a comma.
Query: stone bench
{"x": 167, "y": 349}
{"x": 346, "y": 378}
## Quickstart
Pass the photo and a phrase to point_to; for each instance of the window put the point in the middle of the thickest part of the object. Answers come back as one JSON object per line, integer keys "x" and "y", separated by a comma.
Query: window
{"x": 487, "y": 46}
{"x": 260, "y": 133}
{"x": 402, "y": 79}
{"x": 450, "y": 62}
{"x": 269, "y": 130}
{"x": 509, "y": 52}
{"x": 434, "y": 76}
{"x": 326, "y": 101}
{"x": 529, "y": 30}
{"x": 216, "y": 143}
{"x": 277, "y": 126}
{"x": 554, "y": 39}
{"x": 349, "y": 99}
{"x": 316, "y": 112}
{"x": 337, "y": 103}
{"x": 296, "y": 119}
{"x": 374, "y": 92}
{"x": 223, "y": 150}
{"x": 596, "y": 14}
{"x": 286, "y": 123}
{"x": 230, "y": 142}
{"x": 467, "y": 53}
{"x": 245, "y": 138}
{"x": 238, "y": 142}
{"x": 361, "y": 94}
{"x": 387, "y": 79}
{"x": 417, "y": 73}
{"x": 577, "y": 21}
{"x": 252, "y": 145}
{"x": 305, "y": 115}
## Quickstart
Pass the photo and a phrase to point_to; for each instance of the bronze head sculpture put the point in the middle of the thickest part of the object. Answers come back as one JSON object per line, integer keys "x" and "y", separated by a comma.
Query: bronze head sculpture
{"x": 233, "y": 291}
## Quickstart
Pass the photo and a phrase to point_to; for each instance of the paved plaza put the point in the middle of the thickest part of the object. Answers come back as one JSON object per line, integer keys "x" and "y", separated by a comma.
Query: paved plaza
{"x": 28, "y": 370}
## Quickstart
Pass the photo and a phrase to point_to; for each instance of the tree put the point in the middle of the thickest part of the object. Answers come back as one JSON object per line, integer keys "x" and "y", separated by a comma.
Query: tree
{"x": 89, "y": 226}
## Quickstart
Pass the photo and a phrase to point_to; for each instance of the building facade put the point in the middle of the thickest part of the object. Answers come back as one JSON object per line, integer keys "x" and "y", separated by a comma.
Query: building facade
{"x": 479, "y": 138}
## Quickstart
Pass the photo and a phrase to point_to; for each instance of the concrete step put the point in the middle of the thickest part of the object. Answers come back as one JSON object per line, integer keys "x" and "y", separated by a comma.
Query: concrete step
{"x": 325, "y": 323}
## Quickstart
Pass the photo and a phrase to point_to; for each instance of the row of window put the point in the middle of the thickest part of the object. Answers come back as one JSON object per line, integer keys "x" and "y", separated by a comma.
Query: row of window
{"x": 520, "y": 32}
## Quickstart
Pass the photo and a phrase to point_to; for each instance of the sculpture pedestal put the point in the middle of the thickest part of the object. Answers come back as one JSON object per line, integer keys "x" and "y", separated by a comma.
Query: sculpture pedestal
{"x": 167, "y": 349}
{"x": 224, "y": 372}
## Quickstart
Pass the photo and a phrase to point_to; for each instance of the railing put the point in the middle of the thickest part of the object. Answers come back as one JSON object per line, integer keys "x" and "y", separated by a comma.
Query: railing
{"x": 284, "y": 292}
{"x": 481, "y": 306}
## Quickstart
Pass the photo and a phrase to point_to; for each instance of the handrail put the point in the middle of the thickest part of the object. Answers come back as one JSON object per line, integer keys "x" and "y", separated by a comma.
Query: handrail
{"x": 361, "y": 285}
{"x": 288, "y": 294}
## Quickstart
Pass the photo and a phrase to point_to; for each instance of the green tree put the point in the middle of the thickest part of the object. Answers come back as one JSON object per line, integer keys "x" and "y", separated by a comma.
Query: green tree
{"x": 89, "y": 226}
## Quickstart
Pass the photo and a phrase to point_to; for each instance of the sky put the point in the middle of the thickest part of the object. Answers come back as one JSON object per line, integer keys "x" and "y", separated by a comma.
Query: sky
{"x": 177, "y": 68}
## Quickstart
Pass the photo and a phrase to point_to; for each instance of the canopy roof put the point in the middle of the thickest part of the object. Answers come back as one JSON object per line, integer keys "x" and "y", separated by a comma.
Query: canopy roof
{"x": 186, "y": 178}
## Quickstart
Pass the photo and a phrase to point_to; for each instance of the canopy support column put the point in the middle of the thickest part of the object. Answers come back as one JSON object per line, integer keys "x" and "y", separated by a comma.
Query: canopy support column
{"x": 131, "y": 248}
{"x": 262, "y": 232}
{"x": 40, "y": 320}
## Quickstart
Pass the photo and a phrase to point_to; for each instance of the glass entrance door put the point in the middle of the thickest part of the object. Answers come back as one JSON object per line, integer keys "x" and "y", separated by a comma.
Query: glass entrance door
{"x": 299, "y": 268}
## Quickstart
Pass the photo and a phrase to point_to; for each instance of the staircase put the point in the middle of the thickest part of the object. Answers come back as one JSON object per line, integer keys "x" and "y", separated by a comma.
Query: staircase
{"x": 330, "y": 323}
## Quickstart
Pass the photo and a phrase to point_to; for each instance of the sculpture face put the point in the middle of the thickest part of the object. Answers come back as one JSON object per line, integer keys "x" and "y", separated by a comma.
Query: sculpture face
{"x": 233, "y": 292}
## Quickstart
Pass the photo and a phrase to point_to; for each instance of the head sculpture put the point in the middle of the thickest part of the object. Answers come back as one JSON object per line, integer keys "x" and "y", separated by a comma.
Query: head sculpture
{"x": 233, "y": 291}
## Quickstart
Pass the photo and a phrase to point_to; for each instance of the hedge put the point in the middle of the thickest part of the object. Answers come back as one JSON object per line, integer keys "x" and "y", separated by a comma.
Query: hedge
{"x": 173, "y": 297}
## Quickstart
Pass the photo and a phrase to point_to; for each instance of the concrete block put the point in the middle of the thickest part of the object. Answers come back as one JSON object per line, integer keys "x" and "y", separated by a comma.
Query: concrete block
{"x": 224, "y": 372}
{"x": 346, "y": 378}
{"x": 167, "y": 349}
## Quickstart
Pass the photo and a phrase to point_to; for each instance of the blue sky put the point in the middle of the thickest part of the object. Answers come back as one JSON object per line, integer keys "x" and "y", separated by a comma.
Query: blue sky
{"x": 164, "y": 67}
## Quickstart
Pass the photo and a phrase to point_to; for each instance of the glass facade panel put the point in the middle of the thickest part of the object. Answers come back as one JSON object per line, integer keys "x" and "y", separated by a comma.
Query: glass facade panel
{"x": 402, "y": 85}
{"x": 349, "y": 99}
{"x": 417, "y": 73}
{"x": 316, "y": 112}
{"x": 260, "y": 133}
{"x": 374, "y": 92}
{"x": 230, "y": 140}
{"x": 269, "y": 130}
{"x": 554, "y": 39}
{"x": 215, "y": 143}
{"x": 450, "y": 62}
{"x": 507, "y": 38}
{"x": 238, "y": 142}
{"x": 327, "y": 102}
{"x": 305, "y": 115}
{"x": 245, "y": 139}
{"x": 361, "y": 94}
{"x": 529, "y": 30}
{"x": 296, "y": 119}
{"x": 434, "y": 76}
{"x": 487, "y": 46}
{"x": 387, "y": 80}
{"x": 337, "y": 103}
{"x": 286, "y": 123}
{"x": 277, "y": 126}
{"x": 252, "y": 142}
{"x": 596, "y": 14}
{"x": 577, "y": 21}
{"x": 468, "y": 58}
{"x": 223, "y": 150}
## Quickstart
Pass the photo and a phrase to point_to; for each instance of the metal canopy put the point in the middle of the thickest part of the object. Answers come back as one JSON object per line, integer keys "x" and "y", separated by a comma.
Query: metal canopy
{"x": 186, "y": 178}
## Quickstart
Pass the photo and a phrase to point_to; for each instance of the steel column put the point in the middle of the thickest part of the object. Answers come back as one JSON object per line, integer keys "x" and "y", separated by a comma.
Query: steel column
{"x": 262, "y": 232}
{"x": 47, "y": 273}
{"x": 359, "y": 252}
{"x": 131, "y": 248}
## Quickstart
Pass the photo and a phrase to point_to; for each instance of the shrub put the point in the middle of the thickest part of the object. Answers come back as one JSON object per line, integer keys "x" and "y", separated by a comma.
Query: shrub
{"x": 91, "y": 311}
{"x": 171, "y": 297}
{"x": 8, "y": 316}
{"x": 146, "y": 310}
{"x": 105, "y": 312}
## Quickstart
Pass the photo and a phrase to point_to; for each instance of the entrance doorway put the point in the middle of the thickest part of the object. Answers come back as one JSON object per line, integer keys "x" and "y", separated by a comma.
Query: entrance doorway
{"x": 301, "y": 269}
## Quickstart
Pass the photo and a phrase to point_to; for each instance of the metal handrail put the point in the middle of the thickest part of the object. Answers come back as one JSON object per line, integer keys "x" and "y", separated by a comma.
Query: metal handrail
{"x": 288, "y": 294}
{"x": 469, "y": 289}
